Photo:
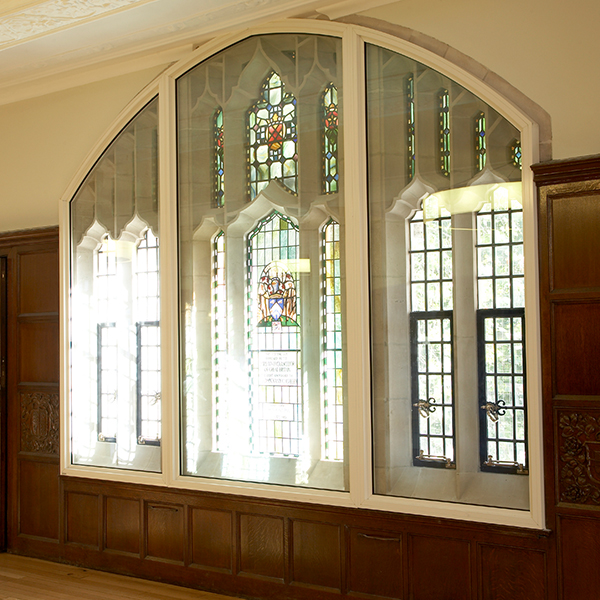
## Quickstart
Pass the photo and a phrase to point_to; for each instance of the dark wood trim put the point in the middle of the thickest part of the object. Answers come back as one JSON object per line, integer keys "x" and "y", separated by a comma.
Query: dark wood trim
{"x": 570, "y": 170}
{"x": 3, "y": 406}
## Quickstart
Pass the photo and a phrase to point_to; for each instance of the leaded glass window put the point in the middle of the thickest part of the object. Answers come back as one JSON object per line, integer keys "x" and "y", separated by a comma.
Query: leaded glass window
{"x": 273, "y": 154}
{"x": 330, "y": 140}
{"x": 516, "y": 154}
{"x": 274, "y": 340}
{"x": 219, "y": 331}
{"x": 501, "y": 326}
{"x": 480, "y": 145}
{"x": 444, "y": 106}
{"x": 219, "y": 159}
{"x": 410, "y": 101}
{"x": 333, "y": 374}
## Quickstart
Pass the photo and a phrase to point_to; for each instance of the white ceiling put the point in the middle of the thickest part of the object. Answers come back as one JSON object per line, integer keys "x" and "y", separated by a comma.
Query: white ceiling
{"x": 47, "y": 45}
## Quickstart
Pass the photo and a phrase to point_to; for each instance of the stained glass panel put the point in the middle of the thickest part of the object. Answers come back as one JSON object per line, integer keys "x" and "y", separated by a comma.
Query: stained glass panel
{"x": 516, "y": 154}
{"x": 272, "y": 152}
{"x": 219, "y": 159}
{"x": 411, "y": 150}
{"x": 444, "y": 106}
{"x": 330, "y": 140}
{"x": 480, "y": 142}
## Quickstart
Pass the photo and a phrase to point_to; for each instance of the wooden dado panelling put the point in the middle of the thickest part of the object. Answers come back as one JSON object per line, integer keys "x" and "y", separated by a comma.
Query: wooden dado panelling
{"x": 275, "y": 549}
{"x": 569, "y": 245}
{"x": 33, "y": 396}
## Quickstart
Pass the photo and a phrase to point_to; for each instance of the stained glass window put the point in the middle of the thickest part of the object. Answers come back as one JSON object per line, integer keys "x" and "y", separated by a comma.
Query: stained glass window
{"x": 272, "y": 152}
{"x": 444, "y": 106}
{"x": 219, "y": 159}
{"x": 501, "y": 327}
{"x": 516, "y": 154}
{"x": 431, "y": 337}
{"x": 148, "y": 340}
{"x": 332, "y": 371}
{"x": 219, "y": 329}
{"x": 274, "y": 341}
{"x": 330, "y": 140}
{"x": 411, "y": 150}
{"x": 480, "y": 142}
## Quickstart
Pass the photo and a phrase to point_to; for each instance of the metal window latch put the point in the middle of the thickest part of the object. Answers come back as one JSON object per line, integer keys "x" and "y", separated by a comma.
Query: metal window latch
{"x": 450, "y": 464}
{"x": 425, "y": 407}
{"x": 521, "y": 470}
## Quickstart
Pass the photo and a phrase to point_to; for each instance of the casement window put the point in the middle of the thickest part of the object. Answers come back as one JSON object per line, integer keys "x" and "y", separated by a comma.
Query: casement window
{"x": 342, "y": 282}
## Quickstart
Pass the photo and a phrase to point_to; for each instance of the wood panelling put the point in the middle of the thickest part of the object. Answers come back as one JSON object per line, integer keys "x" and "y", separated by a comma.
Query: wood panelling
{"x": 575, "y": 222}
{"x": 165, "y": 531}
{"x": 40, "y": 429}
{"x": 37, "y": 363}
{"x": 512, "y": 573}
{"x": 122, "y": 529}
{"x": 38, "y": 272}
{"x": 212, "y": 538}
{"x": 38, "y": 499}
{"x": 576, "y": 339}
{"x": 317, "y": 551}
{"x": 376, "y": 564}
{"x": 579, "y": 551}
{"x": 82, "y": 519}
{"x": 448, "y": 559}
{"x": 261, "y": 546}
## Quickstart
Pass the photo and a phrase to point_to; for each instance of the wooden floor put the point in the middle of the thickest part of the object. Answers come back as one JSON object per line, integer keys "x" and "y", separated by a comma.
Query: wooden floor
{"x": 31, "y": 579}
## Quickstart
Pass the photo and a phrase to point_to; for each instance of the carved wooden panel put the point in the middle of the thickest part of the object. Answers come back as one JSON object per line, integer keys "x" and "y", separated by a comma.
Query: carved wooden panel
{"x": 38, "y": 352}
{"x": 261, "y": 545}
{"x": 38, "y": 282}
{"x": 512, "y": 573}
{"x": 38, "y": 499}
{"x": 40, "y": 429}
{"x": 448, "y": 559}
{"x": 578, "y": 461}
{"x": 579, "y": 549}
{"x": 122, "y": 525}
{"x": 376, "y": 563}
{"x": 165, "y": 531}
{"x": 576, "y": 341}
{"x": 316, "y": 554}
{"x": 212, "y": 538}
{"x": 82, "y": 519}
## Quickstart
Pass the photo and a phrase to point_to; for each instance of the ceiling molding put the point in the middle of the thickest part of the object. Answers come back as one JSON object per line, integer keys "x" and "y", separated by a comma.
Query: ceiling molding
{"x": 350, "y": 7}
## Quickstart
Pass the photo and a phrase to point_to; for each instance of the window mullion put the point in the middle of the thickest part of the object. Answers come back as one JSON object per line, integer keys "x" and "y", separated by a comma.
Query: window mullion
{"x": 354, "y": 186}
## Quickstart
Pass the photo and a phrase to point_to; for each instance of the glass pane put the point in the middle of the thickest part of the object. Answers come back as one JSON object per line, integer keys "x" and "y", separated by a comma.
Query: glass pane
{"x": 262, "y": 324}
{"x": 115, "y": 305}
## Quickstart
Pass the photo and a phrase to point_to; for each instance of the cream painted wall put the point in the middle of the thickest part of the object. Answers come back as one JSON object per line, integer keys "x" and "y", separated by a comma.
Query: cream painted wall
{"x": 548, "y": 49}
{"x": 45, "y": 140}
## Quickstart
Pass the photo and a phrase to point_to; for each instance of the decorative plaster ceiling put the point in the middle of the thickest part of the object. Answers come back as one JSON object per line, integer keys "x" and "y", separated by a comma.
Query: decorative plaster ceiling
{"x": 49, "y": 45}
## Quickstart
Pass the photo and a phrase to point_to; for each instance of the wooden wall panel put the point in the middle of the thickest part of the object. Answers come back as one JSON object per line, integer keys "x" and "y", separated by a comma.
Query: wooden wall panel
{"x": 439, "y": 568}
{"x": 38, "y": 282}
{"x": 576, "y": 338}
{"x": 37, "y": 363}
{"x": 512, "y": 573}
{"x": 376, "y": 564}
{"x": 579, "y": 551}
{"x": 574, "y": 225}
{"x": 38, "y": 497}
{"x": 261, "y": 546}
{"x": 122, "y": 525}
{"x": 165, "y": 531}
{"x": 316, "y": 556}
{"x": 82, "y": 522}
{"x": 212, "y": 538}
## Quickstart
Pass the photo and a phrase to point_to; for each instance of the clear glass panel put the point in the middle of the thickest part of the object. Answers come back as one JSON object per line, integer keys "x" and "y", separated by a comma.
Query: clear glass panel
{"x": 435, "y": 223}
{"x": 115, "y": 305}
{"x": 262, "y": 273}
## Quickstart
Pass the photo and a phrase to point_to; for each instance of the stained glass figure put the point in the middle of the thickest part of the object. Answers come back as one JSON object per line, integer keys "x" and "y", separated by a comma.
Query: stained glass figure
{"x": 274, "y": 341}
{"x": 410, "y": 102}
{"x": 332, "y": 369}
{"x": 330, "y": 140}
{"x": 444, "y": 106}
{"x": 501, "y": 331}
{"x": 272, "y": 152}
{"x": 431, "y": 335}
{"x": 516, "y": 154}
{"x": 480, "y": 142}
{"x": 219, "y": 159}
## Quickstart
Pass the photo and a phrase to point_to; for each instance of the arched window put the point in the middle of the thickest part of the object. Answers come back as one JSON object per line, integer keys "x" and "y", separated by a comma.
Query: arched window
{"x": 349, "y": 318}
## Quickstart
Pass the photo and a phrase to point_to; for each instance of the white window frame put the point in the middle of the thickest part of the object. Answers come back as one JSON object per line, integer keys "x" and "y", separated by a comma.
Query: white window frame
{"x": 356, "y": 289}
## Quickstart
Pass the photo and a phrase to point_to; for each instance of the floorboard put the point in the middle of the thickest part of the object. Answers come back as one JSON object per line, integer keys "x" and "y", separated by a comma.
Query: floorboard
{"x": 23, "y": 578}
